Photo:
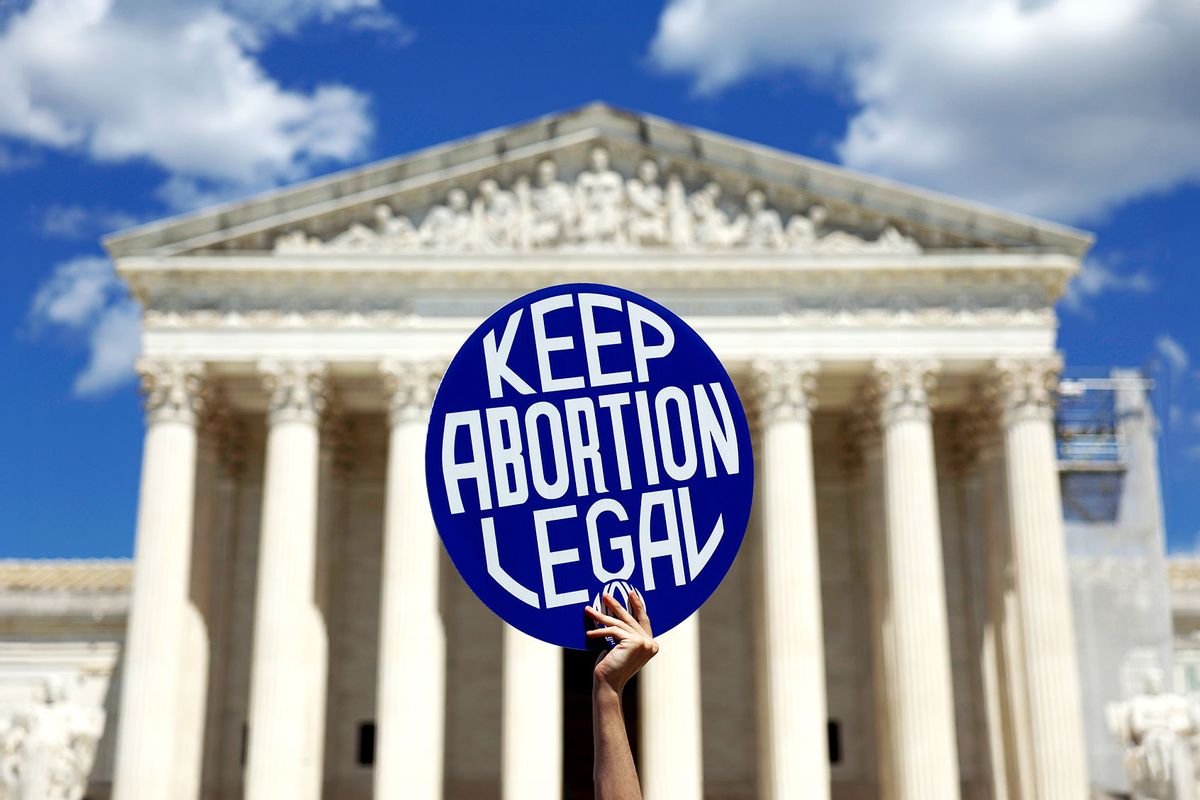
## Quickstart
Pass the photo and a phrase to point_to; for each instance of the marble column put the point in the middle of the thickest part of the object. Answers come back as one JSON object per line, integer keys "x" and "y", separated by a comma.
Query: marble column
{"x": 1000, "y": 651}
{"x": 669, "y": 715}
{"x": 793, "y": 740}
{"x": 198, "y": 630}
{"x": 339, "y": 458}
{"x": 865, "y": 433}
{"x": 1025, "y": 391}
{"x": 412, "y": 641}
{"x": 331, "y": 462}
{"x": 915, "y": 644}
{"x": 531, "y": 756}
{"x": 286, "y": 618}
{"x": 146, "y": 740}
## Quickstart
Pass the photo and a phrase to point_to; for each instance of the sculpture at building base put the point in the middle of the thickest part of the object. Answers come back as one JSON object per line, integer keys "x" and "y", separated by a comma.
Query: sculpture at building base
{"x": 601, "y": 211}
{"x": 47, "y": 747}
{"x": 1159, "y": 732}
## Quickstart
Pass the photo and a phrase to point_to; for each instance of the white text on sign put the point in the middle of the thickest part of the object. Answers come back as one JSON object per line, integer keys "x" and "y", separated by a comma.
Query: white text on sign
{"x": 505, "y": 455}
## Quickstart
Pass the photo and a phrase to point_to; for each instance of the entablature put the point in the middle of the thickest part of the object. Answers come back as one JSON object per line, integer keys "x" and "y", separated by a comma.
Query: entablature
{"x": 372, "y": 282}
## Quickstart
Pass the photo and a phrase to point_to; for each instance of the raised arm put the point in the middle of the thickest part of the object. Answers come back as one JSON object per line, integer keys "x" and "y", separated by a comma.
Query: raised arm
{"x": 614, "y": 773}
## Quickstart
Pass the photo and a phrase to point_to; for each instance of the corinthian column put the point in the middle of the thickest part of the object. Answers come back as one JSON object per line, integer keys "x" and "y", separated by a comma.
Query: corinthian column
{"x": 199, "y": 628}
{"x": 286, "y": 619}
{"x": 151, "y": 685}
{"x": 669, "y": 693}
{"x": 915, "y": 645}
{"x": 1025, "y": 392}
{"x": 531, "y": 736}
{"x": 866, "y": 464}
{"x": 412, "y": 641}
{"x": 1002, "y": 670}
{"x": 791, "y": 671}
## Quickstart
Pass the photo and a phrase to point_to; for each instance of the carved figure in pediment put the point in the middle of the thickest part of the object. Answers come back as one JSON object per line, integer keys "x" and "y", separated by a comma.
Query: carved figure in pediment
{"x": 893, "y": 241}
{"x": 713, "y": 230}
{"x": 523, "y": 195}
{"x": 552, "y": 209}
{"x": 763, "y": 226}
{"x": 396, "y": 231}
{"x": 680, "y": 231}
{"x": 803, "y": 230}
{"x": 647, "y": 206}
{"x": 846, "y": 243}
{"x": 448, "y": 226}
{"x": 297, "y": 242}
{"x": 358, "y": 238}
{"x": 497, "y": 217}
{"x": 601, "y": 199}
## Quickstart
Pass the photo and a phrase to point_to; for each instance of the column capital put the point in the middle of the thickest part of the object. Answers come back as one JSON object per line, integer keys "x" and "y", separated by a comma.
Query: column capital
{"x": 784, "y": 389}
{"x": 297, "y": 390}
{"x": 1024, "y": 388}
{"x": 900, "y": 390}
{"x": 411, "y": 386}
{"x": 175, "y": 390}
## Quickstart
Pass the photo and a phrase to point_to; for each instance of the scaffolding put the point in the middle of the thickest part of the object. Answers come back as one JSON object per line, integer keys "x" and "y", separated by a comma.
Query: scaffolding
{"x": 1106, "y": 434}
{"x": 1091, "y": 445}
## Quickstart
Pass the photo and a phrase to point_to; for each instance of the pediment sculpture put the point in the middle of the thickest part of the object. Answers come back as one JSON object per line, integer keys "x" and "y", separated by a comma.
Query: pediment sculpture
{"x": 600, "y": 211}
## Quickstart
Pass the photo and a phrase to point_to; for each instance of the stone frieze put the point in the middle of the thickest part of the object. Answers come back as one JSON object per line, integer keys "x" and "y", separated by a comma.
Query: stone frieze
{"x": 599, "y": 211}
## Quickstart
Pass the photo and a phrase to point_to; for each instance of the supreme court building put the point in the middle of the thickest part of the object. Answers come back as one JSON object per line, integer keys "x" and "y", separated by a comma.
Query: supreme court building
{"x": 898, "y": 624}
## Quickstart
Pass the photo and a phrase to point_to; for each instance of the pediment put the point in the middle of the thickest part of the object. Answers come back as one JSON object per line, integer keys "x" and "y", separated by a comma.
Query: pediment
{"x": 596, "y": 180}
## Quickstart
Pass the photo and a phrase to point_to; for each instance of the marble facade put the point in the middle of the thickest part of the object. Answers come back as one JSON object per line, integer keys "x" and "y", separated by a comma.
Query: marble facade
{"x": 898, "y": 624}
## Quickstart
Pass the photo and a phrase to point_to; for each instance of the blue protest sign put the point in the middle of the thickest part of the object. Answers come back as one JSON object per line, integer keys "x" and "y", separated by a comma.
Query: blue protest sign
{"x": 585, "y": 439}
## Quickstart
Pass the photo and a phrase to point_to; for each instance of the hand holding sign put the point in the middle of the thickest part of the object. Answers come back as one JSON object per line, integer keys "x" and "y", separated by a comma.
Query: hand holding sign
{"x": 635, "y": 640}
{"x": 585, "y": 435}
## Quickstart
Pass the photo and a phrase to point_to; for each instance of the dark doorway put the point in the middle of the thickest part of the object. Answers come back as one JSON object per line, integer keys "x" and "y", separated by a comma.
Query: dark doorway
{"x": 577, "y": 723}
{"x": 366, "y": 744}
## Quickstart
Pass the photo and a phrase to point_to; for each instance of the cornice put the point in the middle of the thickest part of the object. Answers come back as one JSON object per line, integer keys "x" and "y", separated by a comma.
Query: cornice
{"x": 149, "y": 276}
{"x": 349, "y": 319}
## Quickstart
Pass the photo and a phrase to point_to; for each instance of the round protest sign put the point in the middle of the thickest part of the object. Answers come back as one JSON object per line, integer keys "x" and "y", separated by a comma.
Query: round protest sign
{"x": 586, "y": 440}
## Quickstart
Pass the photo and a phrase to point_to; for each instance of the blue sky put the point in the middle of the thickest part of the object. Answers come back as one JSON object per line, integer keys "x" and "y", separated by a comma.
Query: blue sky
{"x": 118, "y": 112}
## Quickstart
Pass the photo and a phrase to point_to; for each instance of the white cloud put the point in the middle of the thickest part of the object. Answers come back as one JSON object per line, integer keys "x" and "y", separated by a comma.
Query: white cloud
{"x": 1097, "y": 278}
{"x": 75, "y": 293}
{"x": 177, "y": 85}
{"x": 1064, "y": 108}
{"x": 69, "y": 221}
{"x": 1173, "y": 353}
{"x": 83, "y": 296}
{"x": 287, "y": 16}
{"x": 115, "y": 342}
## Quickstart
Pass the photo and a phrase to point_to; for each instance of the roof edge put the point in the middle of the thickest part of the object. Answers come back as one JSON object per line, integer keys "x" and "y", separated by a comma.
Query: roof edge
{"x": 619, "y": 123}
